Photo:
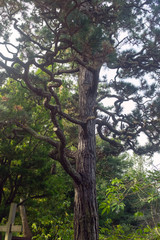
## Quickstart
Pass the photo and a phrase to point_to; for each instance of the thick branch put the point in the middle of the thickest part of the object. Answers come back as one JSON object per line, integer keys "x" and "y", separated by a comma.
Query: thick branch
{"x": 38, "y": 136}
{"x": 61, "y": 152}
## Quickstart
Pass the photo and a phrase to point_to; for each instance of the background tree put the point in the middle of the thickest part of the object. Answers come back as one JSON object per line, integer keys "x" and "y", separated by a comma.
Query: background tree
{"x": 131, "y": 206}
{"x": 27, "y": 172}
{"x": 76, "y": 38}
{"x": 22, "y": 163}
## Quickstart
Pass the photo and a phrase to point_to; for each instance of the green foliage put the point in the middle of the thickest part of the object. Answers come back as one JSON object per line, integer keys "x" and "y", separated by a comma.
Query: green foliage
{"x": 54, "y": 229}
{"x": 51, "y": 217}
{"x": 114, "y": 202}
{"x": 111, "y": 162}
{"x": 55, "y": 38}
{"x": 110, "y": 165}
{"x": 131, "y": 207}
{"x": 25, "y": 169}
{"x": 127, "y": 232}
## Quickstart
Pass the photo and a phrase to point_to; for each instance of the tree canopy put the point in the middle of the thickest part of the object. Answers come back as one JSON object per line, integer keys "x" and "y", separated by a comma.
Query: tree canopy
{"x": 57, "y": 37}
{"x": 59, "y": 51}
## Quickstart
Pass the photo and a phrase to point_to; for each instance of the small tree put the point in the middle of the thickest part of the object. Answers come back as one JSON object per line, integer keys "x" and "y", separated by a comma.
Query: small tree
{"x": 75, "y": 38}
{"x": 22, "y": 158}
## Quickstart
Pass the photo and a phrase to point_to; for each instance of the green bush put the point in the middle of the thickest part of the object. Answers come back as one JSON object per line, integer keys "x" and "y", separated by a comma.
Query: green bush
{"x": 127, "y": 232}
{"x": 56, "y": 229}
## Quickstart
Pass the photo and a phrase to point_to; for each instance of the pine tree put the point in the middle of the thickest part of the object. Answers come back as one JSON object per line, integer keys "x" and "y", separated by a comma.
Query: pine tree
{"x": 75, "y": 39}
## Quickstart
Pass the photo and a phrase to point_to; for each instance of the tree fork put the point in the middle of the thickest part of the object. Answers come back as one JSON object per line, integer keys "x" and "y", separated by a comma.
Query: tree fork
{"x": 85, "y": 212}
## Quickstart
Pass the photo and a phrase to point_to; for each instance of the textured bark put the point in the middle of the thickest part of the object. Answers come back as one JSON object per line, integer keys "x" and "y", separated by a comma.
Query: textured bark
{"x": 85, "y": 212}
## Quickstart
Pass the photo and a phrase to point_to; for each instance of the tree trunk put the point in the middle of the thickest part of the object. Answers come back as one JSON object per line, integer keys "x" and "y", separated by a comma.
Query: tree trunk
{"x": 85, "y": 212}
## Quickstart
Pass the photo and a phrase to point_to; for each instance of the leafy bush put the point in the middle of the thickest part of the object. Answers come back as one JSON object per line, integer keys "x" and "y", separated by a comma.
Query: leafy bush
{"x": 57, "y": 229}
{"x": 126, "y": 232}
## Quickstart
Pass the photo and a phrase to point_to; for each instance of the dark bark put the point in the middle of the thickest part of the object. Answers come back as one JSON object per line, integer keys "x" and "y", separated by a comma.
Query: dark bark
{"x": 85, "y": 212}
